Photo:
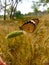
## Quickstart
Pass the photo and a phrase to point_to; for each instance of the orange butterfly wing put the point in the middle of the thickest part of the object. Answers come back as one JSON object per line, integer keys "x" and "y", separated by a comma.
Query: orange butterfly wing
{"x": 28, "y": 27}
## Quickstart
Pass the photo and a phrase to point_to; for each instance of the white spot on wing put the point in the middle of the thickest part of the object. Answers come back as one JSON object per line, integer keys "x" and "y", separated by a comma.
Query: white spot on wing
{"x": 32, "y": 21}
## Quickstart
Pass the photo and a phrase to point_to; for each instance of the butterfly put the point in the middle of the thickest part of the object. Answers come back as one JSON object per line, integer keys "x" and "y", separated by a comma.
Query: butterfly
{"x": 30, "y": 25}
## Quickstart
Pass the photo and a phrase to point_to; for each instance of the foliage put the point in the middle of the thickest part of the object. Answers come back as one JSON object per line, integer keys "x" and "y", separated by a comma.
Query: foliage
{"x": 12, "y": 4}
{"x": 36, "y": 6}
{"x": 47, "y": 10}
{"x": 14, "y": 34}
{"x": 44, "y": 1}
{"x": 36, "y": 10}
{"x": 18, "y": 15}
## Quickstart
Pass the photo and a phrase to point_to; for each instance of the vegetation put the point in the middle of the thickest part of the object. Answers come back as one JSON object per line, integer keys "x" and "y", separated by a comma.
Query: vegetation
{"x": 18, "y": 15}
{"x": 14, "y": 34}
{"x": 36, "y": 6}
{"x": 12, "y": 5}
{"x": 47, "y": 10}
{"x": 26, "y": 49}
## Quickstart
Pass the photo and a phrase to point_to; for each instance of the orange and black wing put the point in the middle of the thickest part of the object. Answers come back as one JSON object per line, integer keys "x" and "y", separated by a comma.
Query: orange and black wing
{"x": 28, "y": 27}
{"x": 36, "y": 20}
